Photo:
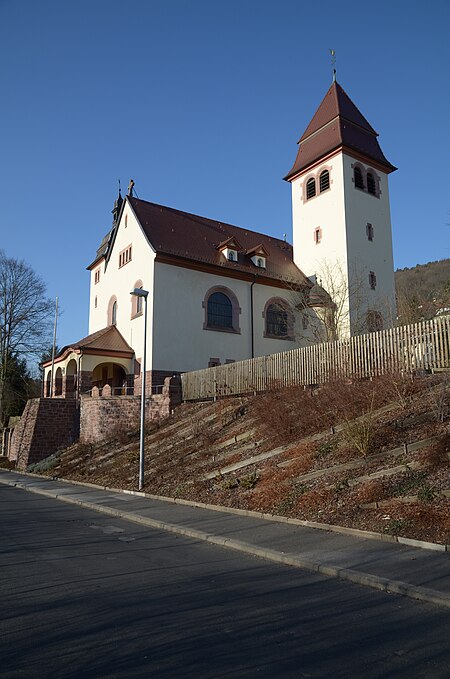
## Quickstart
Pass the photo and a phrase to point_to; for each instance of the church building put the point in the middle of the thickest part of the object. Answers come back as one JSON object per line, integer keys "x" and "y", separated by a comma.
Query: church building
{"x": 218, "y": 293}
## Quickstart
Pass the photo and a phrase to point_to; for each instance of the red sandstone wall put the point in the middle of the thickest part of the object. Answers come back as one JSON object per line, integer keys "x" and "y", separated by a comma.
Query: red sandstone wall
{"x": 46, "y": 425}
{"x": 102, "y": 416}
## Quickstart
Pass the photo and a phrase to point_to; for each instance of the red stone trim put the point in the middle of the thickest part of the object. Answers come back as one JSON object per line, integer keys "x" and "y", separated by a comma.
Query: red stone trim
{"x": 364, "y": 170}
{"x": 347, "y": 151}
{"x": 109, "y": 318}
{"x": 316, "y": 176}
{"x": 125, "y": 256}
{"x": 283, "y": 304}
{"x": 135, "y": 301}
{"x": 236, "y": 309}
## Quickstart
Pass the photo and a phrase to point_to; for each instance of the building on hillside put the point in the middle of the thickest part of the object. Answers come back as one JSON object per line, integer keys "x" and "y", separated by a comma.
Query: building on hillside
{"x": 219, "y": 293}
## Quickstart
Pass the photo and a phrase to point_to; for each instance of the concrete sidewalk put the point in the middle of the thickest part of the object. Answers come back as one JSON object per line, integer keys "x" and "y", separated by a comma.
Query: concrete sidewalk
{"x": 397, "y": 568}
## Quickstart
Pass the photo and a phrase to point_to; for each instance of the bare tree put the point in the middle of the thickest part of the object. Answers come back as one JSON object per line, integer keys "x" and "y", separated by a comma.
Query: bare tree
{"x": 338, "y": 303}
{"x": 25, "y": 318}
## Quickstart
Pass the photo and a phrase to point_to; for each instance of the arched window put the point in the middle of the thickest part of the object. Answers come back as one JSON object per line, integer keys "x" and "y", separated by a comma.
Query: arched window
{"x": 279, "y": 321}
{"x": 371, "y": 187}
{"x": 48, "y": 384}
{"x": 221, "y": 310}
{"x": 359, "y": 182}
{"x": 324, "y": 181}
{"x": 111, "y": 314}
{"x": 310, "y": 188}
{"x": 58, "y": 382}
{"x": 276, "y": 321}
{"x": 137, "y": 303}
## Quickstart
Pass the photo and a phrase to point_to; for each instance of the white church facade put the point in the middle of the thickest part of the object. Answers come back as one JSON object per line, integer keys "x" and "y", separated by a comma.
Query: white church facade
{"x": 219, "y": 293}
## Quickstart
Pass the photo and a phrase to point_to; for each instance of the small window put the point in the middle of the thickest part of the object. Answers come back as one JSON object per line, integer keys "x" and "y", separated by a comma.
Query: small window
{"x": 95, "y": 301}
{"x": 305, "y": 321}
{"x": 97, "y": 276}
{"x": 220, "y": 311}
{"x": 310, "y": 188}
{"x": 371, "y": 188}
{"x": 114, "y": 314}
{"x": 231, "y": 256}
{"x": 126, "y": 221}
{"x": 317, "y": 235}
{"x": 213, "y": 362}
{"x": 372, "y": 280}
{"x": 324, "y": 181}
{"x": 260, "y": 262}
{"x": 125, "y": 256}
{"x": 359, "y": 182}
{"x": 369, "y": 230}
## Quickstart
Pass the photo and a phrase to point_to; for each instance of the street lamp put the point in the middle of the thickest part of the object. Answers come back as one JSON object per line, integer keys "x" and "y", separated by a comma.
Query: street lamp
{"x": 139, "y": 292}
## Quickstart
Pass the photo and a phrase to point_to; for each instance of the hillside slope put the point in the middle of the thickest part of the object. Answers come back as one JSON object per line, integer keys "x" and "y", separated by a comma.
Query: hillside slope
{"x": 371, "y": 455}
{"x": 423, "y": 290}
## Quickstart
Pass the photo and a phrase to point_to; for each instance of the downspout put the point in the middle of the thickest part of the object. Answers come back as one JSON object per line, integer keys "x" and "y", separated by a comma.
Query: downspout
{"x": 251, "y": 316}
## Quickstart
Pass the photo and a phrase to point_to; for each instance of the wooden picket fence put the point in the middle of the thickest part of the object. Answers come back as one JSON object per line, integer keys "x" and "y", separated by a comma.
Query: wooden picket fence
{"x": 422, "y": 346}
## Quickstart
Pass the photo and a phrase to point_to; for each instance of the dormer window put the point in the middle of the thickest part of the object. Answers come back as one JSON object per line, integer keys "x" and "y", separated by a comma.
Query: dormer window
{"x": 259, "y": 261}
{"x": 229, "y": 249}
{"x": 230, "y": 254}
{"x": 258, "y": 256}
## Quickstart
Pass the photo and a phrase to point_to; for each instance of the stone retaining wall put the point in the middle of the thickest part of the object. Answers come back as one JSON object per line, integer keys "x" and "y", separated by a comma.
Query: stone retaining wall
{"x": 103, "y": 415}
{"x": 46, "y": 425}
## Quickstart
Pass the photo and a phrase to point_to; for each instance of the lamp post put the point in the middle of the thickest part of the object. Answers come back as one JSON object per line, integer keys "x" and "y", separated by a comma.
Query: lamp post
{"x": 139, "y": 292}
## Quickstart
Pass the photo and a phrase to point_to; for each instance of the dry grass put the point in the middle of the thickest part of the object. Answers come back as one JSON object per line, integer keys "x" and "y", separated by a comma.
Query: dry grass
{"x": 182, "y": 449}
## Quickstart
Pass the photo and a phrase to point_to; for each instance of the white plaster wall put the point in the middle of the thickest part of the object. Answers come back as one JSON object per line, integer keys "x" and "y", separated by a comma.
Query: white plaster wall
{"x": 343, "y": 213}
{"x": 120, "y": 281}
{"x": 327, "y": 211}
{"x": 364, "y": 255}
{"x": 180, "y": 343}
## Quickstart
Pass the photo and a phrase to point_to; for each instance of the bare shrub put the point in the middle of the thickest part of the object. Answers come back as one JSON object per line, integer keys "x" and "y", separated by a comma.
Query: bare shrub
{"x": 440, "y": 400}
{"x": 435, "y": 455}
{"x": 401, "y": 387}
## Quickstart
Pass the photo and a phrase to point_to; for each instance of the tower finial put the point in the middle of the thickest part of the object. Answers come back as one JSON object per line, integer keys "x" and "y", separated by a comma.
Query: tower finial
{"x": 130, "y": 187}
{"x": 333, "y": 63}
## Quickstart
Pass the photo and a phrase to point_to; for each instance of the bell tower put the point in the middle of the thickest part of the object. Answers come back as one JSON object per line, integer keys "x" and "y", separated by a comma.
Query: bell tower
{"x": 341, "y": 214}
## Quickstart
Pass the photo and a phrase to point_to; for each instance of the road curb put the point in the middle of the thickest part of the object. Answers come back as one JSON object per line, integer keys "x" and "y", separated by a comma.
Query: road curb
{"x": 343, "y": 530}
{"x": 346, "y": 574}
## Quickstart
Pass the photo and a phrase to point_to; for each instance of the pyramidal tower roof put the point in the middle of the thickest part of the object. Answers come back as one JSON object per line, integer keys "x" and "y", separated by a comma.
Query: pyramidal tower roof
{"x": 338, "y": 124}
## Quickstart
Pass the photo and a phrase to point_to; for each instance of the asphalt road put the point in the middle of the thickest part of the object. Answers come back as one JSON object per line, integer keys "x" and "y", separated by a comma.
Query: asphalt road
{"x": 86, "y": 595}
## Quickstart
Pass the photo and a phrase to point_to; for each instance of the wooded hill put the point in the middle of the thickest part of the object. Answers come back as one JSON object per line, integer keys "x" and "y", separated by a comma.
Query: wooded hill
{"x": 423, "y": 290}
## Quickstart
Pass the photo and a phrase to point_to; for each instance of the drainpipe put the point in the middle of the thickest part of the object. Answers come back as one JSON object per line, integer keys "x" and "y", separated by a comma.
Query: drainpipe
{"x": 251, "y": 316}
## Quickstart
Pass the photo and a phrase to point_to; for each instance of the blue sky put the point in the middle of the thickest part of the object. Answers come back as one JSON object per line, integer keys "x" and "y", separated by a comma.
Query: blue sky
{"x": 202, "y": 103}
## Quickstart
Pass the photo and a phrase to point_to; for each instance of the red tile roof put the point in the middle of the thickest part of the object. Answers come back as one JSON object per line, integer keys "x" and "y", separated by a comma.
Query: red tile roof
{"x": 195, "y": 239}
{"x": 107, "y": 340}
{"x": 337, "y": 123}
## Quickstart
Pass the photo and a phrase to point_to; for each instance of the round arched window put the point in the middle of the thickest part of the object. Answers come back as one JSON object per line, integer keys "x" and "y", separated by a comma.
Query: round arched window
{"x": 220, "y": 311}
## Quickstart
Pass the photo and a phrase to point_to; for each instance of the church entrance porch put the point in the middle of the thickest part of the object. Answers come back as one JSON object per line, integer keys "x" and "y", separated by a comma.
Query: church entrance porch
{"x": 114, "y": 376}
